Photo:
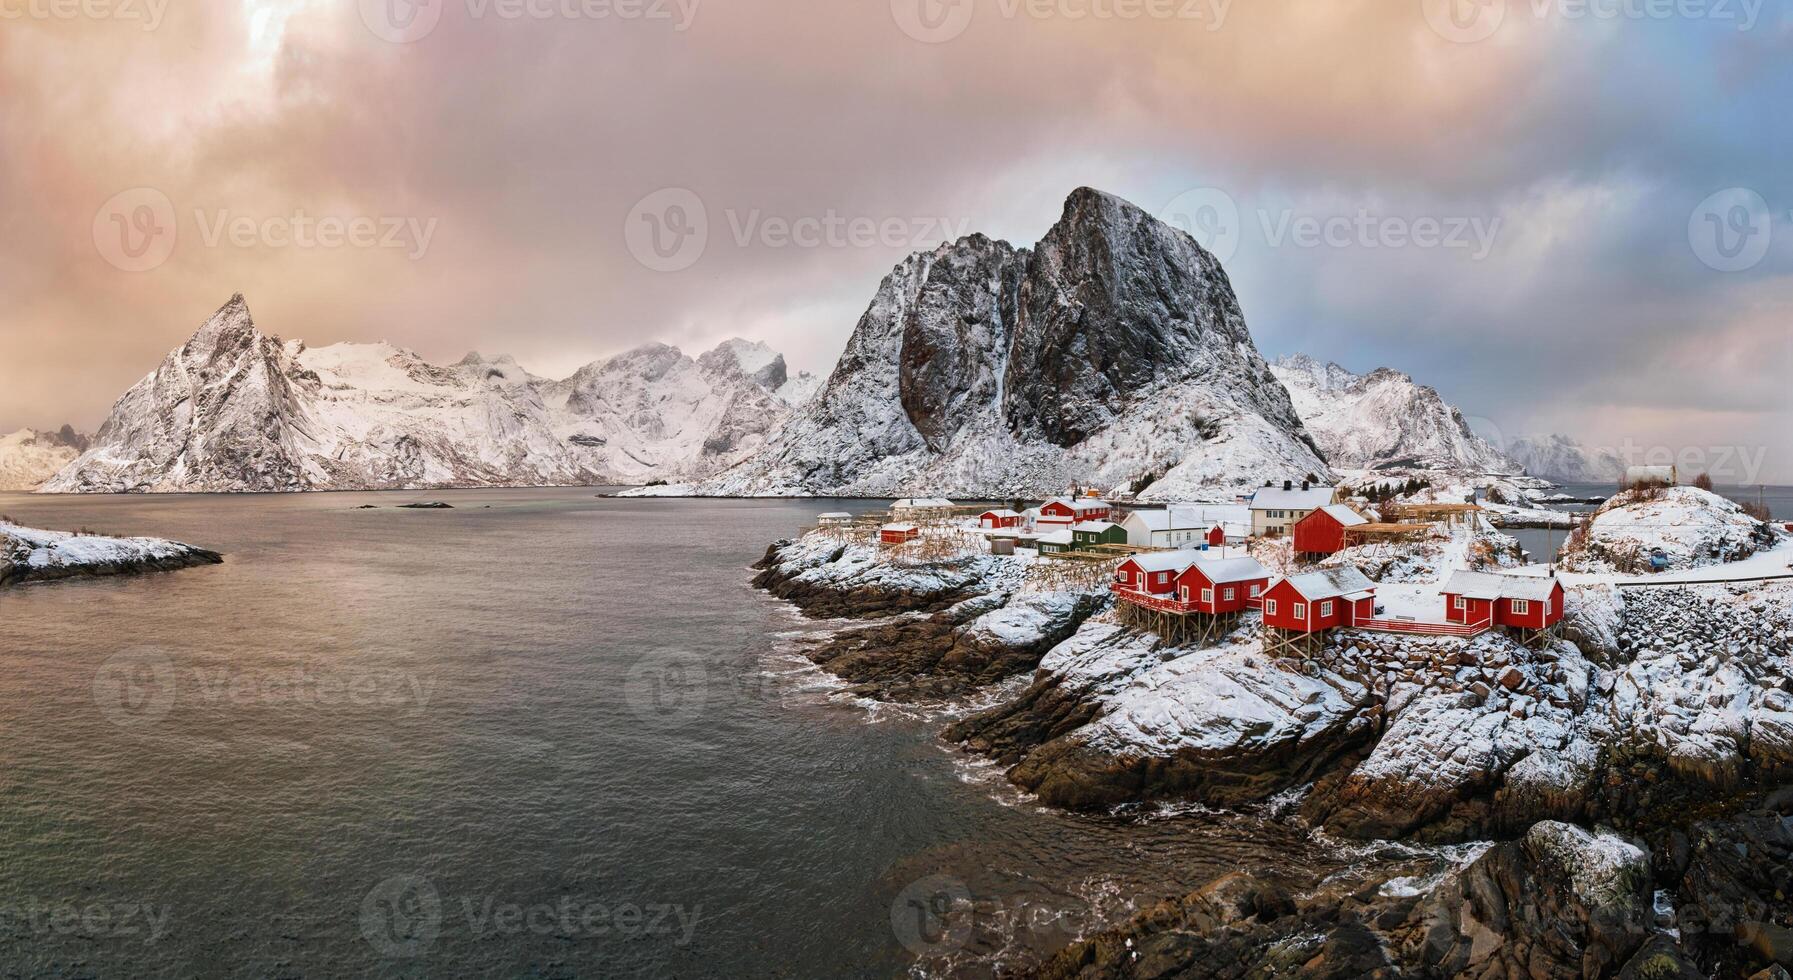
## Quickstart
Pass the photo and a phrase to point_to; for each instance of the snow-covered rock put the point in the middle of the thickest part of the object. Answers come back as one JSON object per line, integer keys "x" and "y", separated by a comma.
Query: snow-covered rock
{"x": 237, "y": 410}
{"x": 28, "y": 457}
{"x": 1558, "y": 457}
{"x": 1383, "y": 420}
{"x": 28, "y": 554}
{"x": 1111, "y": 354}
{"x": 1693, "y": 528}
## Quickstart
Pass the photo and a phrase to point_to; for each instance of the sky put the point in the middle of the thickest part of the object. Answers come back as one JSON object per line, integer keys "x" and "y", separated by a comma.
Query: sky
{"x": 1567, "y": 215}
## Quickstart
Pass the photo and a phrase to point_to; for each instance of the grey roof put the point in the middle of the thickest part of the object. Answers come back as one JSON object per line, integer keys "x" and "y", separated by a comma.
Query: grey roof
{"x": 1487, "y": 585}
{"x": 1331, "y": 583}
{"x": 1220, "y": 571}
{"x": 1165, "y": 561}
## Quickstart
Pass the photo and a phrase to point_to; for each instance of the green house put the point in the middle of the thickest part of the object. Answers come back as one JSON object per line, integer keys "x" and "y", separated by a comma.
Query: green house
{"x": 1056, "y": 543}
{"x": 1091, "y": 533}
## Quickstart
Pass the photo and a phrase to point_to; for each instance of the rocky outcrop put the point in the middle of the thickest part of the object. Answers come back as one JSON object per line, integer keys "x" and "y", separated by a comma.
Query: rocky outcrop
{"x": 1114, "y": 353}
{"x": 1558, "y": 457}
{"x": 830, "y": 578}
{"x": 32, "y": 555}
{"x": 1689, "y": 527}
{"x": 1384, "y": 420}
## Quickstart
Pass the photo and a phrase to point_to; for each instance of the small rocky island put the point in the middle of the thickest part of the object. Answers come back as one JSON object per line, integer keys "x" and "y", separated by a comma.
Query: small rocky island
{"x": 1613, "y": 799}
{"x": 32, "y": 555}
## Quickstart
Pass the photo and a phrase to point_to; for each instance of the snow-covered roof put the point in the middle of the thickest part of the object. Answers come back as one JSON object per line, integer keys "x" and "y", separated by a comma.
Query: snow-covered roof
{"x": 999, "y": 513}
{"x": 1331, "y": 583}
{"x": 908, "y": 502}
{"x": 1165, "y": 561}
{"x": 1345, "y": 515}
{"x": 899, "y": 527}
{"x": 1093, "y": 527}
{"x": 1056, "y": 537}
{"x": 1080, "y": 503}
{"x": 1172, "y": 519}
{"x": 1223, "y": 570}
{"x": 1487, "y": 585}
{"x": 834, "y": 515}
{"x": 1276, "y": 498}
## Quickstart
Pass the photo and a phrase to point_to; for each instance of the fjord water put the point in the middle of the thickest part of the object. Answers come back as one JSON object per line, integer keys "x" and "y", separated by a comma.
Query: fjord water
{"x": 542, "y": 733}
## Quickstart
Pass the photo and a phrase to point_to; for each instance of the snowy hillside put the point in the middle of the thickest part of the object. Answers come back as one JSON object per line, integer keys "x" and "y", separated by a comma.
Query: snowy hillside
{"x": 1383, "y": 420}
{"x": 29, "y": 457}
{"x": 1558, "y": 457}
{"x": 1112, "y": 354}
{"x": 236, "y": 410}
{"x": 1693, "y": 528}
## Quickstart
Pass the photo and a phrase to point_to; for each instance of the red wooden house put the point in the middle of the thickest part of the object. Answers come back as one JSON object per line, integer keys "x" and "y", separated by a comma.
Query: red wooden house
{"x": 1225, "y": 585}
{"x": 1298, "y": 607}
{"x": 1524, "y": 602}
{"x": 1323, "y": 531}
{"x": 1066, "y": 511}
{"x": 1153, "y": 573}
{"x": 999, "y": 518}
{"x": 898, "y": 533}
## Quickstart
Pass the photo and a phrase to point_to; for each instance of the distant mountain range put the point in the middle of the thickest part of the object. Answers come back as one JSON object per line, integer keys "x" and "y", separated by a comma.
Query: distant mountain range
{"x": 236, "y": 410}
{"x": 1113, "y": 354}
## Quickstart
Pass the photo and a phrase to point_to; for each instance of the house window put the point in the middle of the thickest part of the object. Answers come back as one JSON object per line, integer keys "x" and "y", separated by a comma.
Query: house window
{"x": 1254, "y": 591}
{"x": 1229, "y": 593}
{"x": 1300, "y": 610}
{"x": 1458, "y": 603}
{"x": 1207, "y": 595}
{"x": 1269, "y": 607}
{"x": 1325, "y": 609}
{"x": 1521, "y": 607}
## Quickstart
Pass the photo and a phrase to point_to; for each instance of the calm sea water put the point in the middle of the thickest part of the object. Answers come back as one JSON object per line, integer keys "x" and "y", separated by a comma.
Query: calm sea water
{"x": 540, "y": 734}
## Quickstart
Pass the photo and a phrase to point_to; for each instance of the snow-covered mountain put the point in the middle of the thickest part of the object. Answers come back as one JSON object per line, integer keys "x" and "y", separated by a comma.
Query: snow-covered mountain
{"x": 236, "y": 410}
{"x": 28, "y": 457}
{"x": 1560, "y": 458}
{"x": 1114, "y": 353}
{"x": 1384, "y": 420}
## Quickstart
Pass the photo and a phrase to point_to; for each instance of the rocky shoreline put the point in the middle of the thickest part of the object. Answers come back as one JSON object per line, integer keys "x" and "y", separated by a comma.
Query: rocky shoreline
{"x": 1660, "y": 719}
{"x": 33, "y": 555}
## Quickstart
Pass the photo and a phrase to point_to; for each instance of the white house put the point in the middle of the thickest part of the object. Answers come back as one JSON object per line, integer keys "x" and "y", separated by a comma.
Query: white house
{"x": 1173, "y": 527}
{"x": 1274, "y": 511}
{"x": 921, "y": 508}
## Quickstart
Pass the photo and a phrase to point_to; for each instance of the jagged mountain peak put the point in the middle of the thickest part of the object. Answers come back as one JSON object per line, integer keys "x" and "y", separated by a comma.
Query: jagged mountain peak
{"x": 1384, "y": 420}
{"x": 749, "y": 358}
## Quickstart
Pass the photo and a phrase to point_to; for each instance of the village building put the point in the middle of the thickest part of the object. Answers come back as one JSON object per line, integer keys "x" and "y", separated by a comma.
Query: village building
{"x": 999, "y": 519}
{"x": 1299, "y": 608}
{"x": 1153, "y": 573}
{"x": 1173, "y": 527}
{"x": 1528, "y": 604}
{"x": 1089, "y": 534}
{"x": 1322, "y": 532}
{"x": 1055, "y": 543}
{"x": 835, "y": 518}
{"x": 1064, "y": 511}
{"x": 898, "y": 533}
{"x": 921, "y": 508}
{"x": 1274, "y": 512}
{"x": 1222, "y": 585}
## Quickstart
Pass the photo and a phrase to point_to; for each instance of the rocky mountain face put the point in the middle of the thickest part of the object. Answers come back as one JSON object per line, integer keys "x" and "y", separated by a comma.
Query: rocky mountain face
{"x": 237, "y": 410}
{"x": 28, "y": 457}
{"x": 1384, "y": 420}
{"x": 1558, "y": 457}
{"x": 1112, "y": 354}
